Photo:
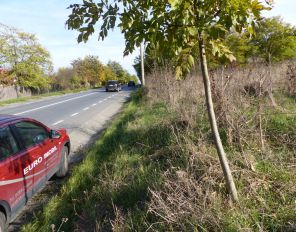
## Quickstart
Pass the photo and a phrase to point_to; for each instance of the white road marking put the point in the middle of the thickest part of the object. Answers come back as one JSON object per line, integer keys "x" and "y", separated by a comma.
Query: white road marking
{"x": 74, "y": 114}
{"x": 100, "y": 101}
{"x": 94, "y": 104}
{"x": 58, "y": 122}
{"x": 56, "y": 103}
{"x": 86, "y": 108}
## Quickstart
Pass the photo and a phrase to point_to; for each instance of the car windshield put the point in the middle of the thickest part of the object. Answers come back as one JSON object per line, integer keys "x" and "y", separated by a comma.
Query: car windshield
{"x": 112, "y": 82}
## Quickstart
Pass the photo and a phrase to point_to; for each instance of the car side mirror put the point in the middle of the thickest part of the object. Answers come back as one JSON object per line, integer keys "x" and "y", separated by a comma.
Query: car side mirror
{"x": 55, "y": 134}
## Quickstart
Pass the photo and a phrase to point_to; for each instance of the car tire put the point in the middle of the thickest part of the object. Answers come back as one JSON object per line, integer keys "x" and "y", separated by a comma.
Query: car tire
{"x": 64, "y": 165}
{"x": 3, "y": 224}
{"x": 106, "y": 90}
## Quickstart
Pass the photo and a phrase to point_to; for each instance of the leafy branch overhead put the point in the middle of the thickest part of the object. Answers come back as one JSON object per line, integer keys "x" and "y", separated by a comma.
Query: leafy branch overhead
{"x": 171, "y": 25}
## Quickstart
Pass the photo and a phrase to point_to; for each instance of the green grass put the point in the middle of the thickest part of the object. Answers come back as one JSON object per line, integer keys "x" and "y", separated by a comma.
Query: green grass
{"x": 286, "y": 101}
{"x": 117, "y": 170}
{"x": 24, "y": 99}
{"x": 280, "y": 125}
{"x": 143, "y": 149}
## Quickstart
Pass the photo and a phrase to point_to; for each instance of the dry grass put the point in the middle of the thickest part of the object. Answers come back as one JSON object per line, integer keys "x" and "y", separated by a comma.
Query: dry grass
{"x": 242, "y": 96}
{"x": 194, "y": 197}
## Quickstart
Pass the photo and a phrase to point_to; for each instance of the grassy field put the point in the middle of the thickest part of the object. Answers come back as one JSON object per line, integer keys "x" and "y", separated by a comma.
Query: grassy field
{"x": 24, "y": 99}
{"x": 151, "y": 171}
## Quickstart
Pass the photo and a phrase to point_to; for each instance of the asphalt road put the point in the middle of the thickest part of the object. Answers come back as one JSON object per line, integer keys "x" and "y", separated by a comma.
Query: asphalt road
{"x": 82, "y": 114}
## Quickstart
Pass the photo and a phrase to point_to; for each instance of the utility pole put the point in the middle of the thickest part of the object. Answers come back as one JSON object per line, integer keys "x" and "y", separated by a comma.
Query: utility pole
{"x": 142, "y": 64}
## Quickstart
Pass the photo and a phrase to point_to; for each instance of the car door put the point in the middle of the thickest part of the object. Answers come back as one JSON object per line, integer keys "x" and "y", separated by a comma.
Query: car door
{"x": 12, "y": 179}
{"x": 36, "y": 141}
{"x": 52, "y": 156}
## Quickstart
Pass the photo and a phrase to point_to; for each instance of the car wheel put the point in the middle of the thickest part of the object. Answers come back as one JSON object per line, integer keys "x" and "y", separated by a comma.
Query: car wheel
{"x": 2, "y": 222}
{"x": 106, "y": 90}
{"x": 64, "y": 165}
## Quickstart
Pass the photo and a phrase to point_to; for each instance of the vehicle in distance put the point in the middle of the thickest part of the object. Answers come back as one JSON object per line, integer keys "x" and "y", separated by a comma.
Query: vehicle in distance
{"x": 30, "y": 154}
{"x": 131, "y": 84}
{"x": 113, "y": 85}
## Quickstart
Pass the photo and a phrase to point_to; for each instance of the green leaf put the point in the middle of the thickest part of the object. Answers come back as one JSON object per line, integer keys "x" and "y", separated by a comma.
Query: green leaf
{"x": 173, "y": 3}
{"x": 79, "y": 39}
{"x": 190, "y": 60}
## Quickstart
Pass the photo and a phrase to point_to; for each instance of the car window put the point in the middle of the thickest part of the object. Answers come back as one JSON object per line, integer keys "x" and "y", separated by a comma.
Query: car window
{"x": 112, "y": 82}
{"x": 31, "y": 133}
{"x": 8, "y": 145}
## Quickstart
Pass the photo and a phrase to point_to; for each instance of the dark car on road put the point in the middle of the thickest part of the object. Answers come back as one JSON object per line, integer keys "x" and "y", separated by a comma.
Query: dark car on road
{"x": 113, "y": 85}
{"x": 30, "y": 154}
{"x": 131, "y": 84}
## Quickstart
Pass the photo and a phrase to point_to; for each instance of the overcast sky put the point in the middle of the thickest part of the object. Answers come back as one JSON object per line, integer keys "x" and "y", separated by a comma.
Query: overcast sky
{"x": 46, "y": 19}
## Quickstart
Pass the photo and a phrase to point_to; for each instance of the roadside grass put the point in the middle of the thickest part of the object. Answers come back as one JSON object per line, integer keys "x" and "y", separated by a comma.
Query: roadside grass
{"x": 151, "y": 172}
{"x": 117, "y": 171}
{"x": 24, "y": 99}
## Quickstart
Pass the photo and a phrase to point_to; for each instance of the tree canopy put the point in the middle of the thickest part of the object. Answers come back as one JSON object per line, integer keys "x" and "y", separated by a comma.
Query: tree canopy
{"x": 89, "y": 72}
{"x": 27, "y": 61}
{"x": 275, "y": 40}
{"x": 172, "y": 25}
{"x": 121, "y": 74}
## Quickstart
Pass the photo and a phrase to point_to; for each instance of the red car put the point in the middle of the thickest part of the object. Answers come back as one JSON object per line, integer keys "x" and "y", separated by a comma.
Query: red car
{"x": 30, "y": 154}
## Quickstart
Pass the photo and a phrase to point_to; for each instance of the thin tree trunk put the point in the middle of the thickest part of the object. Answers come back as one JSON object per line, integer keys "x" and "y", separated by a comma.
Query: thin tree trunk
{"x": 270, "y": 84}
{"x": 212, "y": 118}
{"x": 260, "y": 117}
{"x": 142, "y": 51}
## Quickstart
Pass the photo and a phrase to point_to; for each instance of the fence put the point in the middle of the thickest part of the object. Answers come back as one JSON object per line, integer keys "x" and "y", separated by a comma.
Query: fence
{"x": 12, "y": 92}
